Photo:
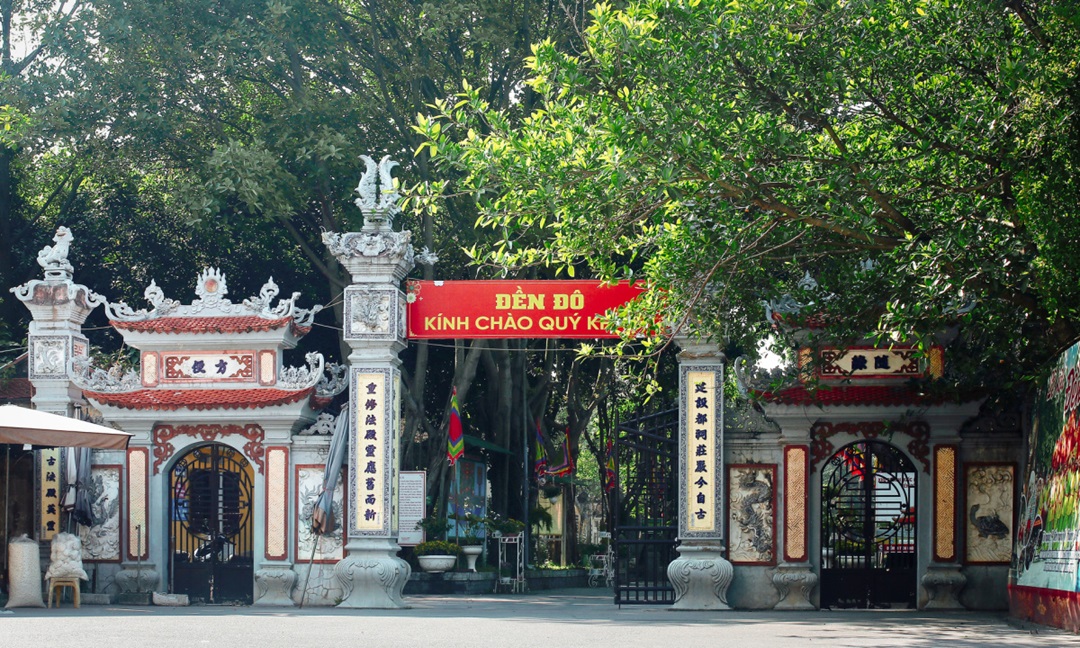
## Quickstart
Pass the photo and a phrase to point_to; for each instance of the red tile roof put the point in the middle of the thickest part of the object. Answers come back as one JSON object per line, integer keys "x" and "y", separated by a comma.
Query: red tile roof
{"x": 850, "y": 395}
{"x": 199, "y": 399}
{"x": 319, "y": 402}
{"x": 16, "y": 389}
{"x": 235, "y": 324}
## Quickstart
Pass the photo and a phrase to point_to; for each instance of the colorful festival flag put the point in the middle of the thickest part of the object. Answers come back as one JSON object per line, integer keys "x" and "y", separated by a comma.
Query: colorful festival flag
{"x": 540, "y": 464}
{"x": 609, "y": 467}
{"x": 455, "y": 440}
{"x": 567, "y": 465}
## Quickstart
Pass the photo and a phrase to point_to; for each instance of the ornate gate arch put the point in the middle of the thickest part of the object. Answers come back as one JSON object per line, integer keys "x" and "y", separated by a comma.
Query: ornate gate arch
{"x": 868, "y": 527}
{"x": 211, "y": 539}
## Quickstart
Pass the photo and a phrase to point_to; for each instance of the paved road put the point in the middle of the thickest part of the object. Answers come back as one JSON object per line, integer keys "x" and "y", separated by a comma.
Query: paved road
{"x": 562, "y": 619}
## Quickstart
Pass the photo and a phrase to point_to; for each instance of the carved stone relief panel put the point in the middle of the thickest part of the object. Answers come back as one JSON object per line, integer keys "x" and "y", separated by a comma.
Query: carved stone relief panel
{"x": 101, "y": 542}
{"x": 752, "y": 514}
{"x": 371, "y": 314}
{"x": 48, "y": 357}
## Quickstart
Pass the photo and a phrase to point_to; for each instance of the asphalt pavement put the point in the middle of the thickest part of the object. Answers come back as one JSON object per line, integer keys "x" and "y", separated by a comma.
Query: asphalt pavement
{"x": 558, "y": 618}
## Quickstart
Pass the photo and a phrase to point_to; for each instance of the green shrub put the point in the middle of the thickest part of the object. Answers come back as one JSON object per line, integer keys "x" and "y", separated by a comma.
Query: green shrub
{"x": 437, "y": 548}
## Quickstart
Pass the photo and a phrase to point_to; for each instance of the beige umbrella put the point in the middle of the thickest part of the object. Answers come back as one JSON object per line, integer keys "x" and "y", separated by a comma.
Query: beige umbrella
{"x": 21, "y": 426}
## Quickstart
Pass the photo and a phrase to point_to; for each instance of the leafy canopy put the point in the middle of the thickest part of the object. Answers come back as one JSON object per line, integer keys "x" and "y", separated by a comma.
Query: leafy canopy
{"x": 912, "y": 156}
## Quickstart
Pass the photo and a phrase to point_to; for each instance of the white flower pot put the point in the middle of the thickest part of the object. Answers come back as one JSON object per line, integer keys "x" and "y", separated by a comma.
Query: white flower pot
{"x": 471, "y": 552}
{"x": 436, "y": 563}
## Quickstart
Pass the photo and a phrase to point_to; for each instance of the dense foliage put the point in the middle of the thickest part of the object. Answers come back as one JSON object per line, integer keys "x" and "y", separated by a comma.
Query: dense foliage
{"x": 915, "y": 157}
{"x": 179, "y": 134}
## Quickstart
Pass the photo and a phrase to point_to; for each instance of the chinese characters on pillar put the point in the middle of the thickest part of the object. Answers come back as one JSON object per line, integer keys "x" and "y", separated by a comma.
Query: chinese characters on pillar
{"x": 369, "y": 452}
{"x": 701, "y": 442}
{"x": 50, "y": 470}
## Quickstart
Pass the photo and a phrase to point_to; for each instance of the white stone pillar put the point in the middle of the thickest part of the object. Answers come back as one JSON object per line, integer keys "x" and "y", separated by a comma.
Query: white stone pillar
{"x": 372, "y": 575}
{"x": 701, "y": 575}
{"x": 59, "y": 307}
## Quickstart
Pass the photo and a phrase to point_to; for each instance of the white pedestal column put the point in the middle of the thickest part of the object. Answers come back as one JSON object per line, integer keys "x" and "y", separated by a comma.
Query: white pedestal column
{"x": 701, "y": 575}
{"x": 372, "y": 575}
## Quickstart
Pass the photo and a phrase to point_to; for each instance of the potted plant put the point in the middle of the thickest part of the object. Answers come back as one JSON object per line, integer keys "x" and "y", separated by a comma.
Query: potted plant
{"x": 500, "y": 527}
{"x": 472, "y": 543}
{"x": 437, "y": 556}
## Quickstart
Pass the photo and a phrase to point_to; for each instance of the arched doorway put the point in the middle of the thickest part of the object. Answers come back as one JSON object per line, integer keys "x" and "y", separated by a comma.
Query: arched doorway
{"x": 868, "y": 557}
{"x": 211, "y": 540}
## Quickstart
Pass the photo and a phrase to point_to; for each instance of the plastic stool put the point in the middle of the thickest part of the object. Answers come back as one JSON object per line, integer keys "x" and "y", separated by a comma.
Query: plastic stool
{"x": 60, "y": 584}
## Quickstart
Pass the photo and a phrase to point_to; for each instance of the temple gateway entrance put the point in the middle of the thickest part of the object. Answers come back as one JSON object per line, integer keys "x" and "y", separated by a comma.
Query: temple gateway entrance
{"x": 868, "y": 557}
{"x": 210, "y": 525}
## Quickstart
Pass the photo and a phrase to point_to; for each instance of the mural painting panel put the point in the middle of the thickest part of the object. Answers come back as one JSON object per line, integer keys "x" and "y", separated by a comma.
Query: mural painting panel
{"x": 1047, "y": 532}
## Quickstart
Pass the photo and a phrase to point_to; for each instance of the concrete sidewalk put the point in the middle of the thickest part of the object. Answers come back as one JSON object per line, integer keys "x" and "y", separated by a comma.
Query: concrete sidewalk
{"x": 562, "y": 618}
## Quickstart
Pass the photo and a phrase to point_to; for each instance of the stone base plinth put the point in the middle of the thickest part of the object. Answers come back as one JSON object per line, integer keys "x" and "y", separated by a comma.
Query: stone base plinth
{"x": 138, "y": 579}
{"x": 943, "y": 584}
{"x": 372, "y": 576}
{"x": 274, "y": 585}
{"x": 794, "y": 583}
{"x": 701, "y": 577}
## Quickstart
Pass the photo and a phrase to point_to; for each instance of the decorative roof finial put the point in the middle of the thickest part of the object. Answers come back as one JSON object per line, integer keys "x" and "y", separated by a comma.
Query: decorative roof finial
{"x": 378, "y": 196}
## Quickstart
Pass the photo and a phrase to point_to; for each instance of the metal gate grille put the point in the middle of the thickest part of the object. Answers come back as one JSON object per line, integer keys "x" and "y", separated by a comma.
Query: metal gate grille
{"x": 210, "y": 534}
{"x": 868, "y": 528}
{"x": 646, "y": 508}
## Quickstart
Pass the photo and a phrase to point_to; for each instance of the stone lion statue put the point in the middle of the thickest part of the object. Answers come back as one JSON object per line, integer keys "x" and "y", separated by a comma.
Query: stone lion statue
{"x": 54, "y": 257}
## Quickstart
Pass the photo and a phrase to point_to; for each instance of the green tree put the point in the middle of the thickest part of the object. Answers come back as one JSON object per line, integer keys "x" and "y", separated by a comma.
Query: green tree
{"x": 226, "y": 130}
{"x": 914, "y": 157}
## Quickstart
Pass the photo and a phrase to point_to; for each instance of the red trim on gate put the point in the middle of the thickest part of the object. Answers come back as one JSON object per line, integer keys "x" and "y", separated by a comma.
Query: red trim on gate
{"x": 849, "y": 395}
{"x": 208, "y": 432}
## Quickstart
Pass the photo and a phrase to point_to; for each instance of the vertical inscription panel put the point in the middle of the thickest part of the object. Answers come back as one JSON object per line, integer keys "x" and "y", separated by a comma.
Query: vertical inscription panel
{"x": 371, "y": 452}
{"x": 700, "y": 451}
{"x": 50, "y": 470}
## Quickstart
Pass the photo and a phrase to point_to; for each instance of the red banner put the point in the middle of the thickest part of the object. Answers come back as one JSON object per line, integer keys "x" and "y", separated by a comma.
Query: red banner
{"x": 512, "y": 309}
